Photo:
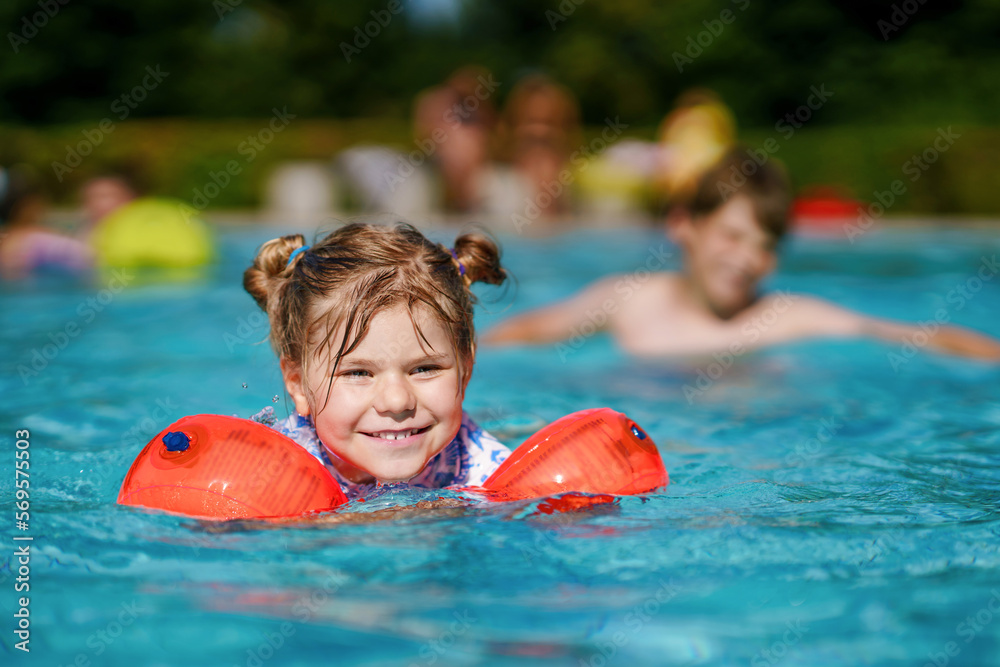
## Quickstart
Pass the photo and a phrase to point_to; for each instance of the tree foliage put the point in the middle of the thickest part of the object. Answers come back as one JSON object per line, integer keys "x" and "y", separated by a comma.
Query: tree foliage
{"x": 906, "y": 61}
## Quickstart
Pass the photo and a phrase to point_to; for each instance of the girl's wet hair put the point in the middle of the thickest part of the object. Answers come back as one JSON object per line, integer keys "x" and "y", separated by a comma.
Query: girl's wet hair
{"x": 368, "y": 269}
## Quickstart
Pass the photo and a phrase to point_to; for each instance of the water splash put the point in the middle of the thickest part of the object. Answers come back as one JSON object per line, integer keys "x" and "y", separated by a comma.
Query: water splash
{"x": 265, "y": 417}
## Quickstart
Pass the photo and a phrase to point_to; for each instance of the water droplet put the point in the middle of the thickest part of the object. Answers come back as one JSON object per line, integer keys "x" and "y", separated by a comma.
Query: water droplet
{"x": 275, "y": 399}
{"x": 244, "y": 385}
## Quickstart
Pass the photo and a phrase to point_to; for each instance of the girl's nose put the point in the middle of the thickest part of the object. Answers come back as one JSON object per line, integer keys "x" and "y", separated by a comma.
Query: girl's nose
{"x": 395, "y": 397}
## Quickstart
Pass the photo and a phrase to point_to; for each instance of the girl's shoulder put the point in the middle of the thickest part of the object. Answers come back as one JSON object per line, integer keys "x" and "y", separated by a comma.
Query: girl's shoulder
{"x": 480, "y": 442}
{"x": 301, "y": 430}
{"x": 468, "y": 460}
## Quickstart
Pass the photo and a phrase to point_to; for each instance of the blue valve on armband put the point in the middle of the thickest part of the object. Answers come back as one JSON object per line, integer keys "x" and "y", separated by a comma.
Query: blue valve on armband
{"x": 176, "y": 441}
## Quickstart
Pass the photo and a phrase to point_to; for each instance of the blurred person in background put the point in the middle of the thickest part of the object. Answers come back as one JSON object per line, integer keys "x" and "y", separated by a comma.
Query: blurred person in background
{"x": 729, "y": 235}
{"x": 125, "y": 228}
{"x": 26, "y": 246}
{"x": 693, "y": 137}
{"x": 539, "y": 131}
{"x": 454, "y": 123}
{"x": 104, "y": 194}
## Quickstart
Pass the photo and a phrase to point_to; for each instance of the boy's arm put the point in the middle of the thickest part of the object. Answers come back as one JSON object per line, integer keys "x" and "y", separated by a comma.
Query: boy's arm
{"x": 820, "y": 318}
{"x": 950, "y": 339}
{"x": 557, "y": 322}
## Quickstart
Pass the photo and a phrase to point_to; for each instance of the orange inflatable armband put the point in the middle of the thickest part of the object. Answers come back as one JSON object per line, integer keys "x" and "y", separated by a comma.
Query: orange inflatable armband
{"x": 215, "y": 467}
{"x": 596, "y": 451}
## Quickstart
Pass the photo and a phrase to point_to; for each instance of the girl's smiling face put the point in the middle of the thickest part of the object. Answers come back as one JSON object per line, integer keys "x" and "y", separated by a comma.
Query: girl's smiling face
{"x": 395, "y": 400}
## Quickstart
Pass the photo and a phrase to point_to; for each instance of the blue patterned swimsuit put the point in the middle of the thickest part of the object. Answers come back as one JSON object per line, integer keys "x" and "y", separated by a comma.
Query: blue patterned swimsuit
{"x": 470, "y": 458}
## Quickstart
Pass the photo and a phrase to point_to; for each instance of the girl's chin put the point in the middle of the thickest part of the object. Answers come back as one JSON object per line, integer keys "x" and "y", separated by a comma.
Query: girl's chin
{"x": 383, "y": 474}
{"x": 394, "y": 474}
{"x": 361, "y": 476}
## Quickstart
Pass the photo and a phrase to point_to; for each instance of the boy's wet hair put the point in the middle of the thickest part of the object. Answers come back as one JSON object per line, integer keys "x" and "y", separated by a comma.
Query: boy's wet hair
{"x": 369, "y": 269}
{"x": 765, "y": 185}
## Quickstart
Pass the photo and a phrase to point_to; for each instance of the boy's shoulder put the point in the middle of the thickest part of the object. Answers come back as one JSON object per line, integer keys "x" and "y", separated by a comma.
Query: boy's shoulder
{"x": 640, "y": 284}
{"x": 806, "y": 315}
{"x": 640, "y": 276}
{"x": 640, "y": 304}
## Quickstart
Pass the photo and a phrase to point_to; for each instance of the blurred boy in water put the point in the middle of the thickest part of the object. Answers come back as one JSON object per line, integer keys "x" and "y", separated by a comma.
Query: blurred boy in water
{"x": 728, "y": 232}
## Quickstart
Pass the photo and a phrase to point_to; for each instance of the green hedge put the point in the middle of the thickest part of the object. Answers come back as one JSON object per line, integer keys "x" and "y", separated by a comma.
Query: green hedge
{"x": 868, "y": 159}
{"x": 178, "y": 156}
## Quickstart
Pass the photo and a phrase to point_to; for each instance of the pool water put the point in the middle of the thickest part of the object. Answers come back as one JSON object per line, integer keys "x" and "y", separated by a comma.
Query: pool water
{"x": 830, "y": 503}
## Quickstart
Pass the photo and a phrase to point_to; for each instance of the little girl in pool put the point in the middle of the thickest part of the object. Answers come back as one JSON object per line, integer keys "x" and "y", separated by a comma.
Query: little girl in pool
{"x": 373, "y": 328}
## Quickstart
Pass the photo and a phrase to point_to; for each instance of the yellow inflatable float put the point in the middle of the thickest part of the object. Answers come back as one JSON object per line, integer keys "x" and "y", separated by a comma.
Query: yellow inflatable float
{"x": 151, "y": 232}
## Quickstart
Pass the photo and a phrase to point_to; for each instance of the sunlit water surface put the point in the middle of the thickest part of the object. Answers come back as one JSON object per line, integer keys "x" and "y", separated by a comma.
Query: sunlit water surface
{"x": 829, "y": 503}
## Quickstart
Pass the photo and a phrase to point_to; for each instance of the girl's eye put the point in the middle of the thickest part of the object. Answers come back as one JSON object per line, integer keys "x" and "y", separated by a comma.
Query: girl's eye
{"x": 426, "y": 369}
{"x": 357, "y": 373}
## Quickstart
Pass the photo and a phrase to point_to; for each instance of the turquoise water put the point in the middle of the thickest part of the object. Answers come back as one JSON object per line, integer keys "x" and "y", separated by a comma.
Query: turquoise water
{"x": 829, "y": 504}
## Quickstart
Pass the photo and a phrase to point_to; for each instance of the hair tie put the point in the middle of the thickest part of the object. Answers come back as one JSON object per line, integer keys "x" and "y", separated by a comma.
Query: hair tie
{"x": 461, "y": 267}
{"x": 296, "y": 253}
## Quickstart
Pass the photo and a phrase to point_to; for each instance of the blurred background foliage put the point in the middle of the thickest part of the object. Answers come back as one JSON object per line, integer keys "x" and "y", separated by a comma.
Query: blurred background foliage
{"x": 897, "y": 70}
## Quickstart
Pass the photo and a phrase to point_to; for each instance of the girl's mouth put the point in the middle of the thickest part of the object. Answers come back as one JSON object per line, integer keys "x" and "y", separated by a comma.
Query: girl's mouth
{"x": 392, "y": 436}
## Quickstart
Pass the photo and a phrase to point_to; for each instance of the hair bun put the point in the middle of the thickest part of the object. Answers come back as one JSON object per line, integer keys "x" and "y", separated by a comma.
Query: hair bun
{"x": 267, "y": 273}
{"x": 480, "y": 255}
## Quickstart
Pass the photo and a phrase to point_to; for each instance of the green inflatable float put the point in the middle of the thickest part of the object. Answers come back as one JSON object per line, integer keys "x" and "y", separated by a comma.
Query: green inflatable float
{"x": 154, "y": 233}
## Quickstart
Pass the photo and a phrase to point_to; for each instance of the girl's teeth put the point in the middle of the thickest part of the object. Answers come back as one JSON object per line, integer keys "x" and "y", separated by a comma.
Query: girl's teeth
{"x": 399, "y": 435}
